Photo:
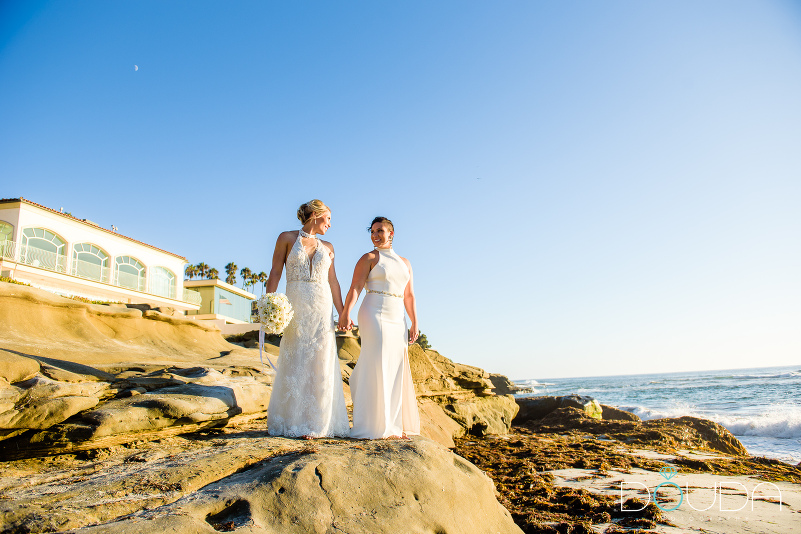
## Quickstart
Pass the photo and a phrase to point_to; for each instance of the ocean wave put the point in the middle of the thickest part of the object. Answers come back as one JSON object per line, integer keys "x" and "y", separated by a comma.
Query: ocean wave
{"x": 531, "y": 383}
{"x": 776, "y": 422}
{"x": 791, "y": 374}
{"x": 533, "y": 393}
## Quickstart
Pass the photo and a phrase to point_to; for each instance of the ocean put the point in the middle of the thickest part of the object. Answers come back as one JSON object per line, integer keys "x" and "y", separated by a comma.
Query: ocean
{"x": 760, "y": 406}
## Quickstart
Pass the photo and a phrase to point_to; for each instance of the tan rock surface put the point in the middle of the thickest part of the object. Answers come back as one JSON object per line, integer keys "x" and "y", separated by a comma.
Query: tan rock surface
{"x": 16, "y": 368}
{"x": 38, "y": 324}
{"x": 79, "y": 375}
{"x": 246, "y": 480}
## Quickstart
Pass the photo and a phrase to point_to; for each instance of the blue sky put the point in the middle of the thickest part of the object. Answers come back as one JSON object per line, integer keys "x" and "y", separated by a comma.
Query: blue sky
{"x": 583, "y": 188}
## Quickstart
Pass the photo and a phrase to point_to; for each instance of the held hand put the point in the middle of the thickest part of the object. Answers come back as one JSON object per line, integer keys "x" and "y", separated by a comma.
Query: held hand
{"x": 345, "y": 323}
{"x": 413, "y": 333}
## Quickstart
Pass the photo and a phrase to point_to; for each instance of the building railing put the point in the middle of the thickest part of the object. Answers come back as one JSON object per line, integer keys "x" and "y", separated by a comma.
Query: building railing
{"x": 7, "y": 250}
{"x": 130, "y": 281}
{"x": 35, "y": 257}
{"x": 51, "y": 261}
{"x": 90, "y": 271}
{"x": 192, "y": 297}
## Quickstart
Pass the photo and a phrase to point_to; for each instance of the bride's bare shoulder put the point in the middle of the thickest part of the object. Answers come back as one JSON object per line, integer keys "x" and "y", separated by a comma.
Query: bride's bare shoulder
{"x": 289, "y": 235}
{"x": 371, "y": 257}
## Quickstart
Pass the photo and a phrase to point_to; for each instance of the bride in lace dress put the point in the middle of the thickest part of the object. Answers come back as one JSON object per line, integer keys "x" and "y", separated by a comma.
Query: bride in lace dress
{"x": 307, "y": 398}
{"x": 384, "y": 403}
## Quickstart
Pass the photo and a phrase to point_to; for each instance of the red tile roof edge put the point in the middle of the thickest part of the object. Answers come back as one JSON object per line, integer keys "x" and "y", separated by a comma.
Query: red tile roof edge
{"x": 26, "y": 201}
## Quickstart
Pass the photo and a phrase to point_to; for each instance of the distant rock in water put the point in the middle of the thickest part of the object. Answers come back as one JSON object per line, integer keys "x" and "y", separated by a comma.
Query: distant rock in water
{"x": 503, "y": 386}
{"x": 539, "y": 407}
{"x": 584, "y": 414}
{"x": 610, "y": 413}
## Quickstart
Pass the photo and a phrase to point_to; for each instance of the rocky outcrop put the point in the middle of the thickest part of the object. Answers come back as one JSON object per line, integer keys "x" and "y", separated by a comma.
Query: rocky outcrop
{"x": 105, "y": 375}
{"x": 480, "y": 416}
{"x": 262, "y": 485}
{"x": 54, "y": 417}
{"x": 532, "y": 408}
{"x": 610, "y": 413}
{"x": 667, "y": 434}
{"x": 716, "y": 436}
{"x": 575, "y": 412}
{"x": 501, "y": 385}
{"x": 463, "y": 392}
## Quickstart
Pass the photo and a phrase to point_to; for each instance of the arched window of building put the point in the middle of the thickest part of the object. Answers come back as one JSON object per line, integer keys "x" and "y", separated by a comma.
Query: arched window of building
{"x": 90, "y": 261}
{"x": 162, "y": 282}
{"x": 43, "y": 248}
{"x": 130, "y": 273}
{"x": 6, "y": 235}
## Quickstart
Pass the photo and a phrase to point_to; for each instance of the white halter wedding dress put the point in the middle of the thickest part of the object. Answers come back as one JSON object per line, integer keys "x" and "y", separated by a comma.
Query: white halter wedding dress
{"x": 307, "y": 397}
{"x": 384, "y": 403}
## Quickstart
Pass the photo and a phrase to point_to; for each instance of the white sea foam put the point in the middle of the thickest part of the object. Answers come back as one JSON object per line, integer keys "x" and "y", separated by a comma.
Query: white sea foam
{"x": 532, "y": 383}
{"x": 784, "y": 424}
{"x": 791, "y": 374}
{"x": 781, "y": 421}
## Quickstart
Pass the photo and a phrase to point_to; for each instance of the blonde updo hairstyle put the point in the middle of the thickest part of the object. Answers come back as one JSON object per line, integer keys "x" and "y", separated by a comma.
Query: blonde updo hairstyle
{"x": 311, "y": 209}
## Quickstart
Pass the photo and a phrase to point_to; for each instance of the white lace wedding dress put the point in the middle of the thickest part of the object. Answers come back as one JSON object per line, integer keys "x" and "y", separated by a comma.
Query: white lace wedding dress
{"x": 307, "y": 397}
{"x": 384, "y": 403}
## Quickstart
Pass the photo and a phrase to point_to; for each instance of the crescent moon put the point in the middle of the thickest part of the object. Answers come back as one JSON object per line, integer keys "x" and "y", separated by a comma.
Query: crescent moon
{"x": 136, "y": 67}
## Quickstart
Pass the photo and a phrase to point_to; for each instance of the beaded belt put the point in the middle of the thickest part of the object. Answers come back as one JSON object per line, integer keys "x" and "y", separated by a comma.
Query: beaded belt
{"x": 385, "y": 293}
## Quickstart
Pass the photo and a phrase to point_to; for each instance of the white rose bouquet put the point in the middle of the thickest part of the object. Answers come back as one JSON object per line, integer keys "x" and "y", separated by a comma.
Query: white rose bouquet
{"x": 275, "y": 312}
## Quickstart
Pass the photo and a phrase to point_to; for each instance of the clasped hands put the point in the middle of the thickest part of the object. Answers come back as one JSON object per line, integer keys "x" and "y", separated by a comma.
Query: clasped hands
{"x": 345, "y": 324}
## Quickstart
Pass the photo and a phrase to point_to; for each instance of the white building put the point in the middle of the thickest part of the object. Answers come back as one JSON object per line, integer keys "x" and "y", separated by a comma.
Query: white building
{"x": 70, "y": 256}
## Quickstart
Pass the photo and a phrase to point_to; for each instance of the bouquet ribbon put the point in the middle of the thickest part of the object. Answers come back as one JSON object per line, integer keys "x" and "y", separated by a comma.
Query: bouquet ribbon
{"x": 261, "y": 347}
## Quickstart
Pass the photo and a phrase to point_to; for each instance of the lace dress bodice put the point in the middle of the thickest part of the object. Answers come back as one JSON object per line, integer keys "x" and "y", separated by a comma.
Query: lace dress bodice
{"x": 297, "y": 263}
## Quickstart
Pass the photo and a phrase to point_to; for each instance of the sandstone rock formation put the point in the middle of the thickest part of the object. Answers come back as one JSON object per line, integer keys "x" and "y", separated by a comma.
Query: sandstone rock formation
{"x": 610, "y": 413}
{"x": 682, "y": 432}
{"x": 76, "y": 376}
{"x": 503, "y": 386}
{"x": 133, "y": 420}
{"x": 574, "y": 412}
{"x": 539, "y": 407}
{"x": 232, "y": 481}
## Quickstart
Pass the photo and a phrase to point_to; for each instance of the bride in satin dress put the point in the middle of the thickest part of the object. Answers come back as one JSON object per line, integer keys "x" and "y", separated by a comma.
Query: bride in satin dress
{"x": 384, "y": 403}
{"x": 307, "y": 397}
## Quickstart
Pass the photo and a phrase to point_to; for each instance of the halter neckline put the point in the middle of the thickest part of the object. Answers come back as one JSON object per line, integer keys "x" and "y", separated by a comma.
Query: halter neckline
{"x": 305, "y": 234}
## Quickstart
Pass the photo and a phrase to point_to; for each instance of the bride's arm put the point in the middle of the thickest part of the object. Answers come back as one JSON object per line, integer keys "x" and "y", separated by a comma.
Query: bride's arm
{"x": 411, "y": 304}
{"x": 279, "y": 257}
{"x": 336, "y": 291}
{"x": 360, "y": 273}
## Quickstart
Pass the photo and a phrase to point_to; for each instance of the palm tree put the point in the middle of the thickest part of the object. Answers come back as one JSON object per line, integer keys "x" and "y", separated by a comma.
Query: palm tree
{"x": 212, "y": 274}
{"x": 245, "y": 272}
{"x": 190, "y": 271}
{"x": 230, "y": 270}
{"x": 202, "y": 269}
{"x": 263, "y": 279}
{"x": 254, "y": 279}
